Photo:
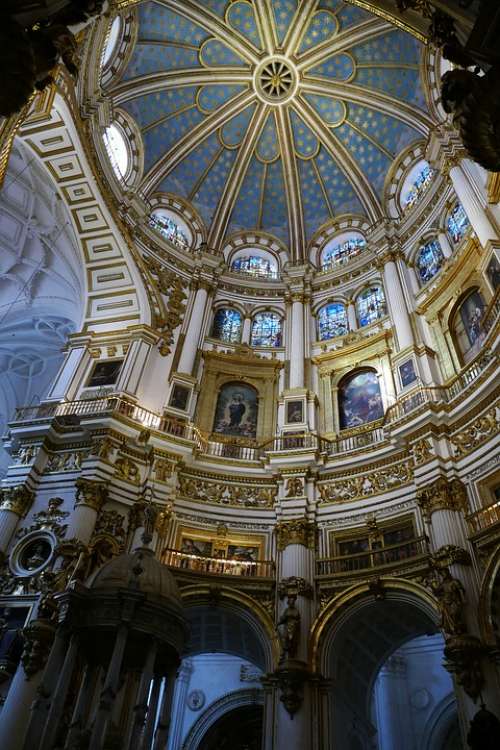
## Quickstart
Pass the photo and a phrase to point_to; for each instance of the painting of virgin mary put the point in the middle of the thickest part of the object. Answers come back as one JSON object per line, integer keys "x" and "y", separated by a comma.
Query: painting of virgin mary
{"x": 236, "y": 410}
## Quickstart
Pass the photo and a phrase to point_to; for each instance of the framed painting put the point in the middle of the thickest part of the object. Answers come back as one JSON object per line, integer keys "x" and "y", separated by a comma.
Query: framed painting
{"x": 236, "y": 410}
{"x": 105, "y": 373}
{"x": 407, "y": 374}
{"x": 295, "y": 411}
{"x": 179, "y": 397}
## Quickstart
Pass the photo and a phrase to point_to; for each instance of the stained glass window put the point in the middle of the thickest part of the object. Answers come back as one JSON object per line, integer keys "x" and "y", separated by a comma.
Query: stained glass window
{"x": 332, "y": 321}
{"x": 167, "y": 227}
{"x": 429, "y": 260}
{"x": 417, "y": 186}
{"x": 457, "y": 224}
{"x": 255, "y": 266}
{"x": 266, "y": 330}
{"x": 114, "y": 140}
{"x": 342, "y": 252}
{"x": 227, "y": 325}
{"x": 370, "y": 305}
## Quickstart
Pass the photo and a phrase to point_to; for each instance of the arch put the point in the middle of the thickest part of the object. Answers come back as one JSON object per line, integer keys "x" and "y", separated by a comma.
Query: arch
{"x": 464, "y": 323}
{"x": 341, "y": 248}
{"x": 218, "y": 709}
{"x": 456, "y": 223}
{"x": 359, "y": 398}
{"x": 415, "y": 183}
{"x": 254, "y": 261}
{"x": 386, "y": 614}
{"x": 428, "y": 259}
{"x": 489, "y": 591}
{"x": 181, "y": 208}
{"x": 247, "y": 609}
{"x": 332, "y": 320}
{"x": 440, "y": 724}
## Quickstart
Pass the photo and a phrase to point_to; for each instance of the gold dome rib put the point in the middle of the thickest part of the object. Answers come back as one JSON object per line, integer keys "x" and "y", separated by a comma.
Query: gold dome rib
{"x": 292, "y": 184}
{"x": 193, "y": 138}
{"x": 236, "y": 176}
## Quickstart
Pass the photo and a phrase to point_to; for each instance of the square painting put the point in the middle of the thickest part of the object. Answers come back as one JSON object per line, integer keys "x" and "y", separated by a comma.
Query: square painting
{"x": 294, "y": 411}
{"x": 407, "y": 373}
{"x": 179, "y": 397}
{"x": 105, "y": 373}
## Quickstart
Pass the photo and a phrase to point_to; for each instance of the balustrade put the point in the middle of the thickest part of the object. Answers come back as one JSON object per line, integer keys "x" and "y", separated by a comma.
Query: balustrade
{"x": 373, "y": 558}
{"x": 217, "y": 565}
{"x": 484, "y": 517}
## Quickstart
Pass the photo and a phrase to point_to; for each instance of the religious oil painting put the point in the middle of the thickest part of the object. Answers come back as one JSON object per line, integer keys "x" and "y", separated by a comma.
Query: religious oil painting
{"x": 493, "y": 272}
{"x": 295, "y": 411}
{"x": 179, "y": 397}
{"x": 407, "y": 373}
{"x": 243, "y": 553}
{"x": 471, "y": 313}
{"x": 360, "y": 400}
{"x": 236, "y": 410}
{"x": 199, "y": 547}
{"x": 105, "y": 373}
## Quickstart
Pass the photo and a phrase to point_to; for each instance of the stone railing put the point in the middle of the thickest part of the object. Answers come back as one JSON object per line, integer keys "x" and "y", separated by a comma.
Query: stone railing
{"x": 217, "y": 565}
{"x": 484, "y": 518}
{"x": 393, "y": 555}
{"x": 356, "y": 439}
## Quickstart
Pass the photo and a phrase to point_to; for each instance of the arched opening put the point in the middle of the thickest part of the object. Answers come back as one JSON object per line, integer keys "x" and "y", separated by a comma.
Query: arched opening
{"x": 255, "y": 262}
{"x": 457, "y": 224}
{"x": 359, "y": 399}
{"x": 218, "y": 691}
{"x": 266, "y": 330}
{"x": 429, "y": 261}
{"x": 416, "y": 183}
{"x": 370, "y": 305}
{"x": 171, "y": 226}
{"x": 42, "y": 285}
{"x": 227, "y": 325}
{"x": 332, "y": 321}
{"x": 384, "y": 654}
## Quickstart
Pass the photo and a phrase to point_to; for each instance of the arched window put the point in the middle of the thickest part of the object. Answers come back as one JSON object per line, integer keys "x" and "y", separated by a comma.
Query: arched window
{"x": 266, "y": 329}
{"x": 332, "y": 321}
{"x": 236, "y": 410}
{"x": 370, "y": 305}
{"x": 466, "y": 325}
{"x": 359, "y": 399}
{"x": 255, "y": 265}
{"x": 227, "y": 325}
{"x": 341, "y": 249}
{"x": 415, "y": 185}
{"x": 429, "y": 260}
{"x": 169, "y": 226}
{"x": 112, "y": 41}
{"x": 457, "y": 224}
{"x": 117, "y": 150}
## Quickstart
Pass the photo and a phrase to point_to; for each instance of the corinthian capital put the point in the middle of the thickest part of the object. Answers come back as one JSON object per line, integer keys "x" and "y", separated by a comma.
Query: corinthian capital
{"x": 442, "y": 495}
{"x": 91, "y": 493}
{"x": 296, "y": 531}
{"x": 17, "y": 499}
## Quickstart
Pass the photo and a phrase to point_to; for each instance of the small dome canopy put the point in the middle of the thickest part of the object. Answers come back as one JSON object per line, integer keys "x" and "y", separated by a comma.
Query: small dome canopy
{"x": 138, "y": 570}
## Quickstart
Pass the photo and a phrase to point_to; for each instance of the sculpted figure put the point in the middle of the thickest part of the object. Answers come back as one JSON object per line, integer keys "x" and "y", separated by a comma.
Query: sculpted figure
{"x": 288, "y": 628}
{"x": 451, "y": 597}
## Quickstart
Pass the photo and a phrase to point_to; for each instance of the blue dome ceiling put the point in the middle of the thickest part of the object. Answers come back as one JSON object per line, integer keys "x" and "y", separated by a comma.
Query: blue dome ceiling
{"x": 274, "y": 115}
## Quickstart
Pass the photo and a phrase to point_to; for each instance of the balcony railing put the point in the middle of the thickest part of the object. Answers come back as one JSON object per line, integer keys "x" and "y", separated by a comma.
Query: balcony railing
{"x": 295, "y": 442}
{"x": 484, "y": 518}
{"x": 386, "y": 556}
{"x": 218, "y": 565}
{"x": 351, "y": 440}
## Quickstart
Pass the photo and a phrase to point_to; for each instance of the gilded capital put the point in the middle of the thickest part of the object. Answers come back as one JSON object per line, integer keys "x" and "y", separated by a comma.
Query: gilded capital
{"x": 442, "y": 495}
{"x": 91, "y": 493}
{"x": 17, "y": 499}
{"x": 296, "y": 531}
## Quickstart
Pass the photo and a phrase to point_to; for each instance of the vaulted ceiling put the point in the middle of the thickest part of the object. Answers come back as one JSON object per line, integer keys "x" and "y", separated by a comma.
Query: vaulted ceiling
{"x": 272, "y": 115}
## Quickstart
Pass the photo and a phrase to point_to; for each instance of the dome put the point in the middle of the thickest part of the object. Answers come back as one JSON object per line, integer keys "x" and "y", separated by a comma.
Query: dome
{"x": 141, "y": 570}
{"x": 276, "y": 121}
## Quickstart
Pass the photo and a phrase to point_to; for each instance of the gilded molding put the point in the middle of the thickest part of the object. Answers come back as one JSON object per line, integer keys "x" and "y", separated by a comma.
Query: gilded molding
{"x": 17, "y": 499}
{"x": 442, "y": 495}
{"x": 478, "y": 432}
{"x": 296, "y": 531}
{"x": 366, "y": 485}
{"x": 91, "y": 493}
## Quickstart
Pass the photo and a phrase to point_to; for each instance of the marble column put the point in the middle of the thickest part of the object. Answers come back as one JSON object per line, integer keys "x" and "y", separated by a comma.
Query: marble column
{"x": 444, "y": 244}
{"x": 178, "y": 707}
{"x": 168, "y": 715}
{"x": 90, "y": 497}
{"x": 471, "y": 202}
{"x": 15, "y": 503}
{"x": 297, "y": 342}
{"x": 351, "y": 315}
{"x": 397, "y": 303}
{"x": 247, "y": 329}
{"x": 193, "y": 330}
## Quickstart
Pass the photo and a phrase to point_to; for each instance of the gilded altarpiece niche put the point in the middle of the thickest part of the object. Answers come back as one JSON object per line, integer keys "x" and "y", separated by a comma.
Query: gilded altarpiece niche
{"x": 238, "y": 395}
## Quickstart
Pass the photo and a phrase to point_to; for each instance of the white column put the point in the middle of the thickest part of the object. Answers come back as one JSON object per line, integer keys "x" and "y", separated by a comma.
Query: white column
{"x": 14, "y": 504}
{"x": 247, "y": 330}
{"x": 297, "y": 343}
{"x": 90, "y": 497}
{"x": 69, "y": 376}
{"x": 445, "y": 245}
{"x": 351, "y": 315}
{"x": 395, "y": 297}
{"x": 472, "y": 205}
{"x": 192, "y": 339}
{"x": 16, "y": 709}
{"x": 179, "y": 704}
